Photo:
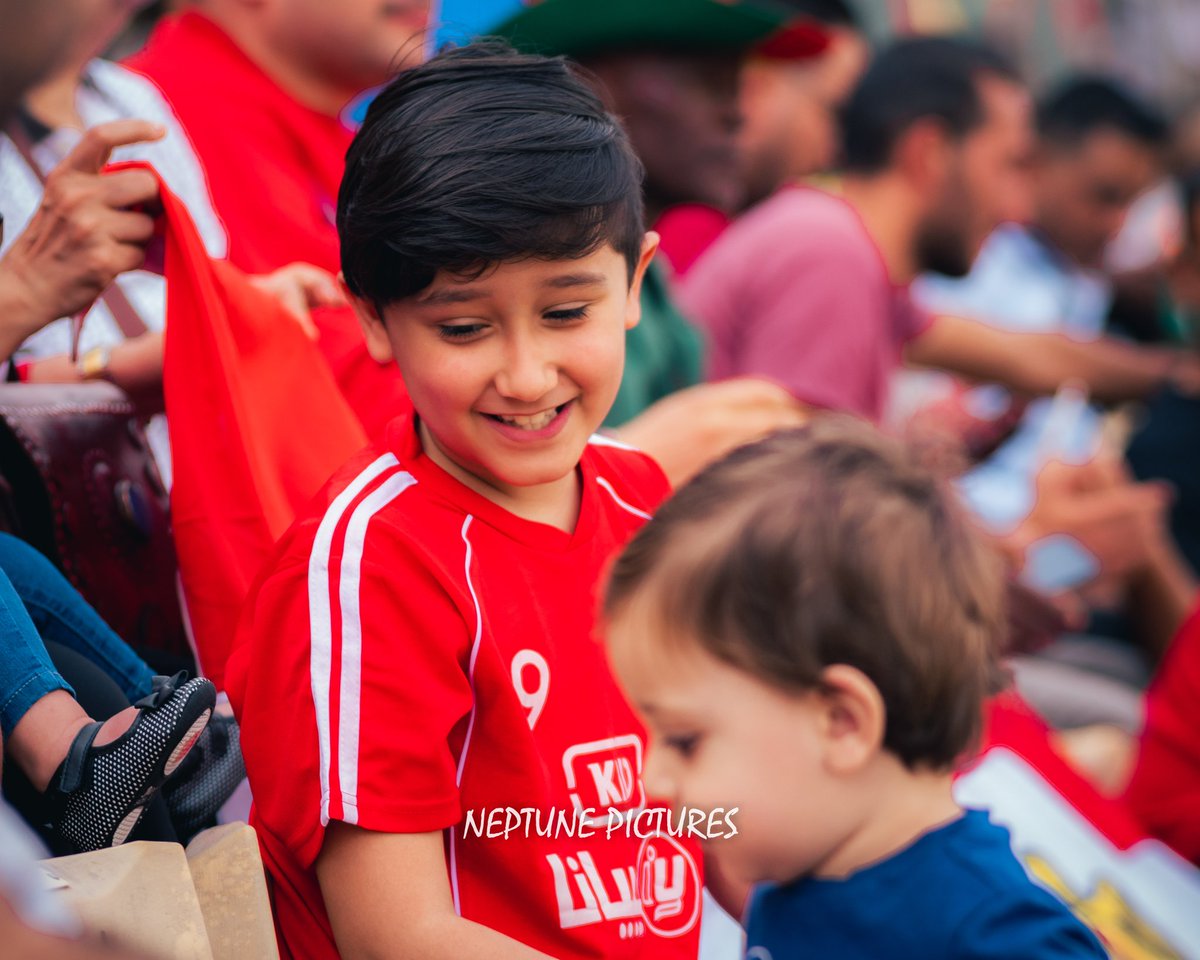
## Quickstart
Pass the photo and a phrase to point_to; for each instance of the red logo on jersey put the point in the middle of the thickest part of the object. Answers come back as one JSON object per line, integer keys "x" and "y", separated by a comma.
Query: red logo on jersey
{"x": 605, "y": 774}
{"x": 661, "y": 892}
{"x": 669, "y": 887}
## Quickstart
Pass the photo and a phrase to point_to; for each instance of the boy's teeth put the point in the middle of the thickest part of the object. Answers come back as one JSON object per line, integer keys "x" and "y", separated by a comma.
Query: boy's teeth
{"x": 539, "y": 421}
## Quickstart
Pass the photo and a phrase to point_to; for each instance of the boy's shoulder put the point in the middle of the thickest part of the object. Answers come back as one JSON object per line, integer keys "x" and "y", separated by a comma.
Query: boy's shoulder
{"x": 631, "y": 477}
{"x": 411, "y": 509}
{"x": 1000, "y": 911}
{"x": 379, "y": 486}
{"x": 958, "y": 891}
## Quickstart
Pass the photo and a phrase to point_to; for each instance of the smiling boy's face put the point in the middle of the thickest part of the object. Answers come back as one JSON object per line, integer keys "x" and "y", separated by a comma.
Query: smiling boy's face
{"x": 512, "y": 372}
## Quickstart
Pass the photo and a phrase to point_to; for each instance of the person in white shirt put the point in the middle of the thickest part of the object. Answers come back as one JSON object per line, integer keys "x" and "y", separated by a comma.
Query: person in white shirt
{"x": 70, "y": 233}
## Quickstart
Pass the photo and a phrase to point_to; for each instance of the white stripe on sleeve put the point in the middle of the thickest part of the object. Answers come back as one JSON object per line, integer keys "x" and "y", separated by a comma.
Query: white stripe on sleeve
{"x": 319, "y": 615}
{"x": 627, "y": 507}
{"x": 349, "y": 583}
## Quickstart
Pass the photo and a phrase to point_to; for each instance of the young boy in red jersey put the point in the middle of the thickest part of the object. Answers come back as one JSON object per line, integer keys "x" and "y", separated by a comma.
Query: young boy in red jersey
{"x": 417, "y": 665}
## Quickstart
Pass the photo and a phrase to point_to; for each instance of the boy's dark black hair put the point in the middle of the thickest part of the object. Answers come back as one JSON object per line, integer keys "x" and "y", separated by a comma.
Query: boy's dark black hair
{"x": 483, "y": 156}
{"x": 1084, "y": 105}
{"x": 914, "y": 80}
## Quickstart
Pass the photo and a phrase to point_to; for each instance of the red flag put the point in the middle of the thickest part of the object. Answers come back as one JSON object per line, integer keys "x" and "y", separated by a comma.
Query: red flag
{"x": 257, "y": 425}
{"x": 1139, "y": 897}
{"x": 1013, "y": 725}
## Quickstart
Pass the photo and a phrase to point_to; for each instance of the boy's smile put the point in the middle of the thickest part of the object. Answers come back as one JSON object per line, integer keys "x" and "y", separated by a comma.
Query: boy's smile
{"x": 543, "y": 425}
{"x": 512, "y": 371}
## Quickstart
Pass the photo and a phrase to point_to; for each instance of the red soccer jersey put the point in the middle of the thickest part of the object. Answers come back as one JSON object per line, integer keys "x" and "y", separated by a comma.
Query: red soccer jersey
{"x": 416, "y": 655}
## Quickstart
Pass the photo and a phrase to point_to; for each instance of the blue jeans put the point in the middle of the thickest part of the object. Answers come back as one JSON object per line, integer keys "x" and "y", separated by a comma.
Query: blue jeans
{"x": 37, "y": 604}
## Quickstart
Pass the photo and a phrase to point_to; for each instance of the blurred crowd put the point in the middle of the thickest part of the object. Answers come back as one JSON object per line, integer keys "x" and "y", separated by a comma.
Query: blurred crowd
{"x": 1007, "y": 279}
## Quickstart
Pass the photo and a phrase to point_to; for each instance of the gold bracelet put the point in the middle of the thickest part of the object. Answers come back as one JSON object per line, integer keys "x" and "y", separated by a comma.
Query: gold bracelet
{"x": 93, "y": 365}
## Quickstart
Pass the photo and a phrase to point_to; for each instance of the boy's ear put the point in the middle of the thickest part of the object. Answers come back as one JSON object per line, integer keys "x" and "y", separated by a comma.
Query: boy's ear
{"x": 633, "y": 304}
{"x": 853, "y": 719}
{"x": 373, "y": 328}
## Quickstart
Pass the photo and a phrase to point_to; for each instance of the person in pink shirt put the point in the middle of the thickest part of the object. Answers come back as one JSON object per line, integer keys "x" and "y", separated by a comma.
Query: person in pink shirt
{"x": 810, "y": 289}
{"x": 820, "y": 314}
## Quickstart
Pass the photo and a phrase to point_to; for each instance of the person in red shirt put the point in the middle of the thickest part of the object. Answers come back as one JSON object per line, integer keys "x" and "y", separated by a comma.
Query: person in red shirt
{"x": 441, "y": 761}
{"x": 262, "y": 91}
{"x": 1164, "y": 786}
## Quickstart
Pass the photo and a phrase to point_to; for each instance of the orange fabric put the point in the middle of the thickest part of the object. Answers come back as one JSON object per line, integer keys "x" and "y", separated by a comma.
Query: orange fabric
{"x": 257, "y": 425}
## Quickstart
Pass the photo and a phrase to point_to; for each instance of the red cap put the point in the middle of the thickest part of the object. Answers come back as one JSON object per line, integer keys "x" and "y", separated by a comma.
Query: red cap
{"x": 801, "y": 39}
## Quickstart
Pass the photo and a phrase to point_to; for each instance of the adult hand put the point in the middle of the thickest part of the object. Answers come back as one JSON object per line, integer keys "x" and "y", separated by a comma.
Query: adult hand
{"x": 1185, "y": 373}
{"x": 87, "y": 230}
{"x": 301, "y": 288}
{"x": 1123, "y": 523}
{"x": 690, "y": 429}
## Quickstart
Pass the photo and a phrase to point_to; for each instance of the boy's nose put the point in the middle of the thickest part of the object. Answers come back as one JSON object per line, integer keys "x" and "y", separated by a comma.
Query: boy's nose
{"x": 527, "y": 376}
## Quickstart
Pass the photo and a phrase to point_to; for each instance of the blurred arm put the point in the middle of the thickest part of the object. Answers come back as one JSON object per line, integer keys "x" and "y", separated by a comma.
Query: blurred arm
{"x": 1038, "y": 363}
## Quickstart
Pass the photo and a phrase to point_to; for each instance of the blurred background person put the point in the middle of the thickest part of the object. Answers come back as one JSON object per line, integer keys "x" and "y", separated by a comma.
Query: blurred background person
{"x": 35, "y": 38}
{"x": 265, "y": 87}
{"x": 1098, "y": 148}
{"x": 792, "y": 86}
{"x": 75, "y": 240}
{"x": 264, "y": 91}
{"x": 811, "y": 288}
{"x": 791, "y": 103}
{"x": 84, "y": 92}
{"x": 33, "y": 923}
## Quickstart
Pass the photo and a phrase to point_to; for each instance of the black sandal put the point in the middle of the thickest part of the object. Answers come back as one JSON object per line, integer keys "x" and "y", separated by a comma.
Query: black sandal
{"x": 98, "y": 794}
{"x": 206, "y": 779}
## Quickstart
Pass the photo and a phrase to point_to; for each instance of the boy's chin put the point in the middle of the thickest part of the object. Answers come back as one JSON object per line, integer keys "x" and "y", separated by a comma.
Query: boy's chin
{"x": 550, "y": 471}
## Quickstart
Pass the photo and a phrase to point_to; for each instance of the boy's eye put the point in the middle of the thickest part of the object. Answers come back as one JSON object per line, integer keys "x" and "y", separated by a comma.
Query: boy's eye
{"x": 459, "y": 331}
{"x": 685, "y": 746}
{"x": 574, "y": 313}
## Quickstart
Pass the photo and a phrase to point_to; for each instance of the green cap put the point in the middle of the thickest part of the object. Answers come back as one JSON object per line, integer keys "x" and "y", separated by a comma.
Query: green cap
{"x": 577, "y": 28}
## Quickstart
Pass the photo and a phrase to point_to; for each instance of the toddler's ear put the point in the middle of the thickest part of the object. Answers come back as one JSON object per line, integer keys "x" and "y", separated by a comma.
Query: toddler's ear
{"x": 373, "y": 328}
{"x": 854, "y": 717}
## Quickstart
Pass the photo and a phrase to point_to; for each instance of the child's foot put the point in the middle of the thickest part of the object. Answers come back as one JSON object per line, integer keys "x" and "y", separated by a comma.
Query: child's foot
{"x": 99, "y": 793}
{"x": 207, "y": 778}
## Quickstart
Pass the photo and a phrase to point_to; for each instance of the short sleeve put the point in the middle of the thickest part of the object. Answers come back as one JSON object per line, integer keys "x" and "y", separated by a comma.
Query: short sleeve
{"x": 409, "y": 697}
{"x": 350, "y": 681}
{"x": 1032, "y": 925}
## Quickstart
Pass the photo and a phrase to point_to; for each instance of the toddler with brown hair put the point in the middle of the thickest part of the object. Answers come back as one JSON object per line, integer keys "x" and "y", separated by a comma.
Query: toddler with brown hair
{"x": 810, "y": 629}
